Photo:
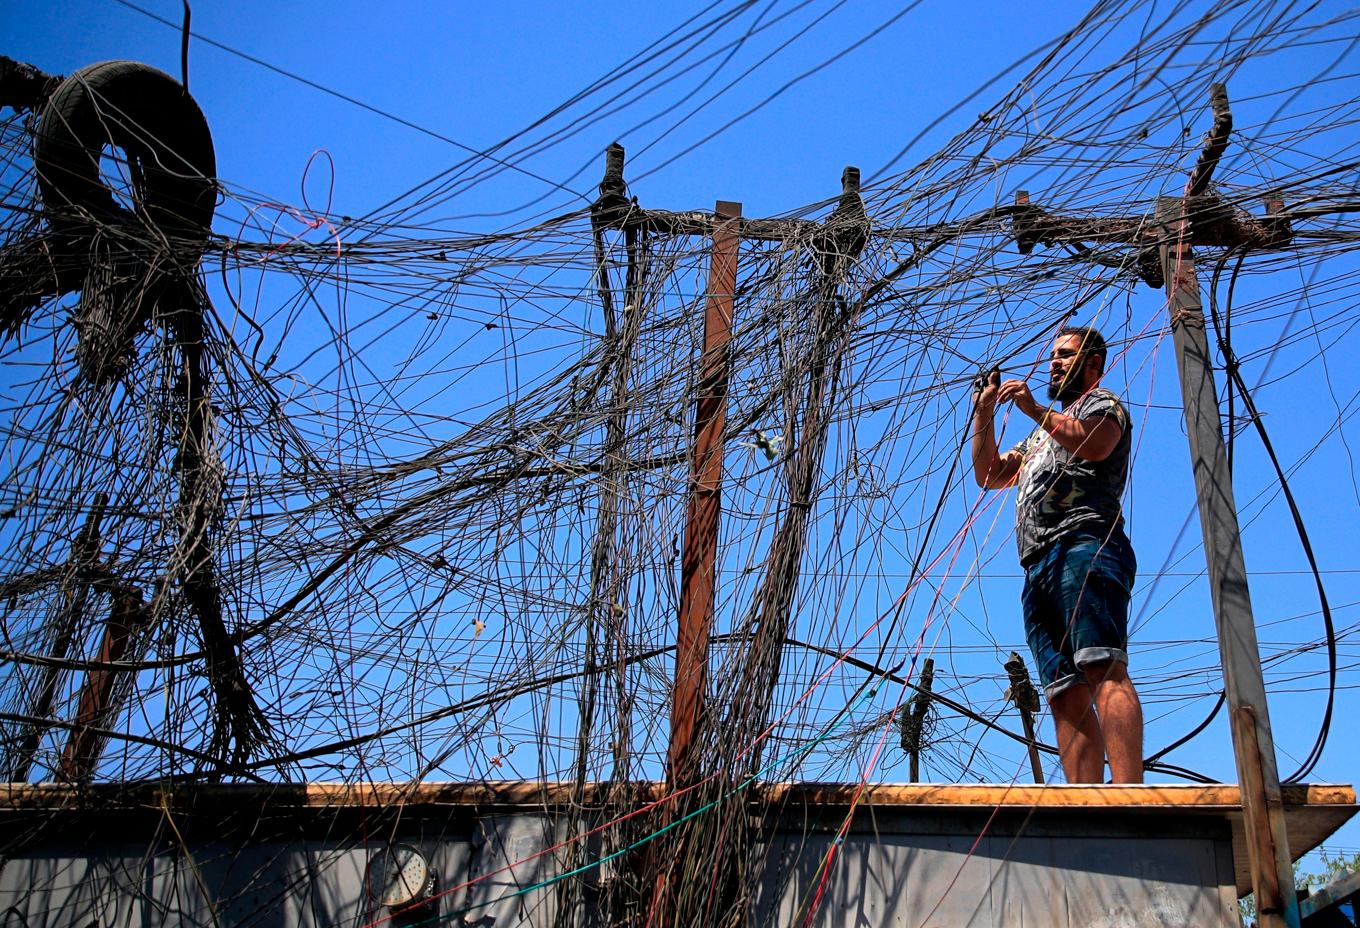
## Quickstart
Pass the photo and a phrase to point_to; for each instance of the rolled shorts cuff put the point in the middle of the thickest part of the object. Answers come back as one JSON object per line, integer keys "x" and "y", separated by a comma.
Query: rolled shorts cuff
{"x": 1099, "y": 656}
{"x": 1084, "y": 657}
{"x": 1062, "y": 685}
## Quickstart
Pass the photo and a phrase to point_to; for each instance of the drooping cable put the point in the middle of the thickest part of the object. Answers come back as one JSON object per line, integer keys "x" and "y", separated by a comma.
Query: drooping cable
{"x": 1223, "y": 334}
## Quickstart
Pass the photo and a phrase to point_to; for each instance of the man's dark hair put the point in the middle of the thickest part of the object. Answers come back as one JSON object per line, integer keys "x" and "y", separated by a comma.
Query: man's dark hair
{"x": 1092, "y": 342}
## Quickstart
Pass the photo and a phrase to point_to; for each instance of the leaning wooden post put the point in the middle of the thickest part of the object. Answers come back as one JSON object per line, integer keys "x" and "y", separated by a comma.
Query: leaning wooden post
{"x": 1026, "y": 699}
{"x": 698, "y": 565}
{"x": 69, "y": 618}
{"x": 128, "y": 618}
{"x": 914, "y": 718}
{"x": 1262, "y": 806}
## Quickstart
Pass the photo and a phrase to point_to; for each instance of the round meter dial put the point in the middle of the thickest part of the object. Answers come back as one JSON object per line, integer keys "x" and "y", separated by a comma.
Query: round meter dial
{"x": 399, "y": 876}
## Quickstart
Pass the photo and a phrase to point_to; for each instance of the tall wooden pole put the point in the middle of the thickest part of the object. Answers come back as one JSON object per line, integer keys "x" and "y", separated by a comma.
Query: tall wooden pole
{"x": 1262, "y": 805}
{"x": 67, "y": 624}
{"x": 698, "y": 565}
{"x": 127, "y": 618}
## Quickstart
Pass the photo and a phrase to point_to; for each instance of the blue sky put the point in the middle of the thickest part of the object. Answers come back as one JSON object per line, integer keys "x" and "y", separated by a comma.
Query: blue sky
{"x": 844, "y": 84}
{"x": 479, "y": 74}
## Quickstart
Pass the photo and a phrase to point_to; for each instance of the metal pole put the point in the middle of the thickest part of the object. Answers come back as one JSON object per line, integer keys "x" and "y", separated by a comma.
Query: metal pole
{"x": 1262, "y": 805}
{"x": 699, "y": 559}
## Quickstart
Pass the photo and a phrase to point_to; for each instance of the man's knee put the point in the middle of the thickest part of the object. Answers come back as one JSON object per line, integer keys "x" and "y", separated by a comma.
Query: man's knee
{"x": 1072, "y": 703}
{"x": 1101, "y": 673}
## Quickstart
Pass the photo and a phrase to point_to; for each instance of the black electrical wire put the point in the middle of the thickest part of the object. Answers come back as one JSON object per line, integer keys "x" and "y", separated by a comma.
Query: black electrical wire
{"x": 1233, "y": 370}
{"x": 339, "y": 95}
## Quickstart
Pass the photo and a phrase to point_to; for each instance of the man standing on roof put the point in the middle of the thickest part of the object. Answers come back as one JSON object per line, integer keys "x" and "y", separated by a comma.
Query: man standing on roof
{"x": 1079, "y": 565}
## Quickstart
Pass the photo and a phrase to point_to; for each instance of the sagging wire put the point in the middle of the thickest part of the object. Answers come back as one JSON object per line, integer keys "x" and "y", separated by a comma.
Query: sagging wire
{"x": 1223, "y": 334}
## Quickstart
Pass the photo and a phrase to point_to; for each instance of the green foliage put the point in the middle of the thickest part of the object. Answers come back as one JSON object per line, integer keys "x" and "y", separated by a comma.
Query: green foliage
{"x": 1334, "y": 867}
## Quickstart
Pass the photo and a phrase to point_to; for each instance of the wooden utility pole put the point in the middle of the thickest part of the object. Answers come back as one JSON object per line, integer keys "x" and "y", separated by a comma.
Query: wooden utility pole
{"x": 1259, "y": 782}
{"x": 698, "y": 565}
{"x": 68, "y": 625}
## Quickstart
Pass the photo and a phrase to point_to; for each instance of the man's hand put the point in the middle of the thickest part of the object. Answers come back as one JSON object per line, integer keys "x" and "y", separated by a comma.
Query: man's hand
{"x": 1017, "y": 392}
{"x": 991, "y": 469}
{"x": 987, "y": 387}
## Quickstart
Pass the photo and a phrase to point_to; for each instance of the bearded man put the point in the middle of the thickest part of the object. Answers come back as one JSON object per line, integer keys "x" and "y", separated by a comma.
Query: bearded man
{"x": 1079, "y": 566}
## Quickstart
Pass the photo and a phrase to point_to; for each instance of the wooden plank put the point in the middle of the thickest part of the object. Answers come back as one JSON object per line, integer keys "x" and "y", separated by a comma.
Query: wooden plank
{"x": 537, "y": 795}
{"x": 1130, "y": 796}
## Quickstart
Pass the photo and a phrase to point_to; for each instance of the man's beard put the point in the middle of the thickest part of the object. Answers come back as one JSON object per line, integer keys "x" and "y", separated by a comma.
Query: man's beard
{"x": 1065, "y": 390}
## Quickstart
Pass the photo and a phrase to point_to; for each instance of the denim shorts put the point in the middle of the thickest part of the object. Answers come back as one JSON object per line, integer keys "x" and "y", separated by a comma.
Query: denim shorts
{"x": 1076, "y": 605}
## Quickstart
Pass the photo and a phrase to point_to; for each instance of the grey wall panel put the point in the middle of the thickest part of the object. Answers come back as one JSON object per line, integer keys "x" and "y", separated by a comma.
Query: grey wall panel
{"x": 300, "y": 885}
{"x": 880, "y": 882}
{"x": 501, "y": 894}
{"x": 1001, "y": 881}
{"x": 893, "y": 869}
{"x": 64, "y": 886}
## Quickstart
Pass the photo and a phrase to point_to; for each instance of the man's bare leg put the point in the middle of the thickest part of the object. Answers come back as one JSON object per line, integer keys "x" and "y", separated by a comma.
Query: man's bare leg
{"x": 1080, "y": 744}
{"x": 1121, "y": 719}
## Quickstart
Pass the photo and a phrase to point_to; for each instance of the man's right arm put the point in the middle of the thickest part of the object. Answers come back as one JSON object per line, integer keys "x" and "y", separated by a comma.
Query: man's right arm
{"x": 991, "y": 469}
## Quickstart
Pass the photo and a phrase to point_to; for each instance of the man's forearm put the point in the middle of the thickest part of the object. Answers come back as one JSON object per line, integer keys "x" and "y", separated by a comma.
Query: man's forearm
{"x": 986, "y": 459}
{"x": 1091, "y": 439}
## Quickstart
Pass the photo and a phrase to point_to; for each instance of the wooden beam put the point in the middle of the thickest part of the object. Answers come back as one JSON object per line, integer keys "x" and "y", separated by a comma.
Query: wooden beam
{"x": 698, "y": 565}
{"x": 128, "y": 617}
{"x": 534, "y": 794}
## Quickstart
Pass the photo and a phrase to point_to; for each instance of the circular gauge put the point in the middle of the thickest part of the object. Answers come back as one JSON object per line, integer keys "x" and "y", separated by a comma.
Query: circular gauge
{"x": 399, "y": 876}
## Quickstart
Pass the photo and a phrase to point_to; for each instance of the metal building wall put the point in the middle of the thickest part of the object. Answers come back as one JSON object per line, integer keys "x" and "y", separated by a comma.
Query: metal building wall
{"x": 896, "y": 867}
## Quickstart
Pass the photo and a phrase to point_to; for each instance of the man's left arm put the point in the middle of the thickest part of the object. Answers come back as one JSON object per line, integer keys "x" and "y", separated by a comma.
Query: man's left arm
{"x": 1091, "y": 438}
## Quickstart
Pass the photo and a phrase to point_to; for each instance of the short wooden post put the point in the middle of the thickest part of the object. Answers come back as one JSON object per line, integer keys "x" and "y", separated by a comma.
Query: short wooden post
{"x": 1026, "y": 699}
{"x": 913, "y": 718}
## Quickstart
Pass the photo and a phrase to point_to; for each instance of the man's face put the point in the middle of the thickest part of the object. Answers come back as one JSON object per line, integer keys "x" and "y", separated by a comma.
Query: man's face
{"x": 1070, "y": 373}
